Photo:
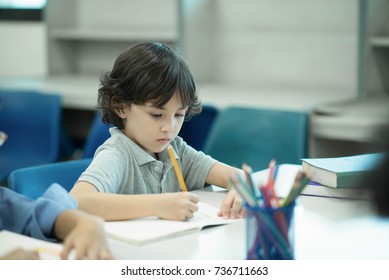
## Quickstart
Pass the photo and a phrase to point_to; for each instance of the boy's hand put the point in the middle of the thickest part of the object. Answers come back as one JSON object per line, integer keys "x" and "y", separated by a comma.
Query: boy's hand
{"x": 177, "y": 206}
{"x": 87, "y": 238}
{"x": 21, "y": 254}
{"x": 231, "y": 207}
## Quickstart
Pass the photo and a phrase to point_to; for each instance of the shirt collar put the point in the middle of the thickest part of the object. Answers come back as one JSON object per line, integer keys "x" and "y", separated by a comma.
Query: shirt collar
{"x": 141, "y": 156}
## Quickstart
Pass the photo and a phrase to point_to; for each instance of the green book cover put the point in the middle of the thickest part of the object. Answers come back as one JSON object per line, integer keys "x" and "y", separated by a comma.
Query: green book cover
{"x": 341, "y": 172}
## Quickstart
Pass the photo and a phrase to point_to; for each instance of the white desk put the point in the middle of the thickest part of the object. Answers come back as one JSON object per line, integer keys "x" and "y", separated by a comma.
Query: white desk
{"x": 80, "y": 92}
{"x": 77, "y": 92}
{"x": 224, "y": 242}
{"x": 325, "y": 228}
{"x": 315, "y": 219}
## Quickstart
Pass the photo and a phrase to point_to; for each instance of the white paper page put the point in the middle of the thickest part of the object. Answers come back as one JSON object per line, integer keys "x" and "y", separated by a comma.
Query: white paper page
{"x": 152, "y": 228}
{"x": 285, "y": 177}
{"x": 10, "y": 241}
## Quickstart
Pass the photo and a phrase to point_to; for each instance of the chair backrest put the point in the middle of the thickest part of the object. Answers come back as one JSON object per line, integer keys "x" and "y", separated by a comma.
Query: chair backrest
{"x": 255, "y": 136}
{"x": 98, "y": 133}
{"x": 33, "y": 181}
{"x": 32, "y": 122}
{"x": 195, "y": 131}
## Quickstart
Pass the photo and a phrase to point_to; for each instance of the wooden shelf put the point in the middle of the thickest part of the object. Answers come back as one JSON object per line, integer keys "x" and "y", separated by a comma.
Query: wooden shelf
{"x": 114, "y": 35}
{"x": 380, "y": 41}
{"x": 77, "y": 91}
{"x": 356, "y": 120}
{"x": 84, "y": 39}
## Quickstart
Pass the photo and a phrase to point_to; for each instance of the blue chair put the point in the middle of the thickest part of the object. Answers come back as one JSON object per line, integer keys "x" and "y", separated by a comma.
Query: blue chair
{"x": 255, "y": 136}
{"x": 195, "y": 130}
{"x": 99, "y": 132}
{"x": 32, "y": 122}
{"x": 33, "y": 181}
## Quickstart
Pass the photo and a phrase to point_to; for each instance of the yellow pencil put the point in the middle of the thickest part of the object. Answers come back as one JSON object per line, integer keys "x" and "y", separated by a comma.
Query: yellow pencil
{"x": 48, "y": 253}
{"x": 177, "y": 169}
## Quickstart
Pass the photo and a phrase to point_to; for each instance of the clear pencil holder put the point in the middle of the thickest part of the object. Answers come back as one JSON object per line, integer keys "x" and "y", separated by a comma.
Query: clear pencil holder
{"x": 270, "y": 233}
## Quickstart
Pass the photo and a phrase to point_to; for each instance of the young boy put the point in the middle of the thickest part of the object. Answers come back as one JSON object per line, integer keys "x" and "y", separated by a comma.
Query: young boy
{"x": 52, "y": 217}
{"x": 147, "y": 96}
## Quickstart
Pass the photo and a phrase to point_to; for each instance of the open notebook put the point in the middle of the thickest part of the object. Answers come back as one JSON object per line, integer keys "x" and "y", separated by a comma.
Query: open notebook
{"x": 150, "y": 229}
{"x": 47, "y": 250}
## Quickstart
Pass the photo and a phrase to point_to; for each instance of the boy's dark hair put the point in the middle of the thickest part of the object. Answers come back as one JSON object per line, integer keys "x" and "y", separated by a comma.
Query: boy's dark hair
{"x": 146, "y": 72}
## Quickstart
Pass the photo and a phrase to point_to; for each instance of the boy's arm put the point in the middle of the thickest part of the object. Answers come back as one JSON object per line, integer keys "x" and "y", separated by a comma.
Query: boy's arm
{"x": 21, "y": 254}
{"x": 219, "y": 175}
{"x": 82, "y": 232}
{"x": 172, "y": 206}
{"x": 35, "y": 218}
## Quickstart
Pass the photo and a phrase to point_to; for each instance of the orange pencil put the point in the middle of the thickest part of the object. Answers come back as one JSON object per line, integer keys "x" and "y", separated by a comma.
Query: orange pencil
{"x": 177, "y": 169}
{"x": 270, "y": 183}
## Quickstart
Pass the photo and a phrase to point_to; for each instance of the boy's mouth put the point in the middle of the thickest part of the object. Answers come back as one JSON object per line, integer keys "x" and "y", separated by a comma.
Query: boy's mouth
{"x": 163, "y": 141}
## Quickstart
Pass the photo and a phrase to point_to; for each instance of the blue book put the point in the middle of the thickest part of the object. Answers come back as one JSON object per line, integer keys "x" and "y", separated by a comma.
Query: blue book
{"x": 341, "y": 172}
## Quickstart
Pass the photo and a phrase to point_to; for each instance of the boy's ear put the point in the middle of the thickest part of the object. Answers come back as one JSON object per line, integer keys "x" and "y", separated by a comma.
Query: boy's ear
{"x": 119, "y": 110}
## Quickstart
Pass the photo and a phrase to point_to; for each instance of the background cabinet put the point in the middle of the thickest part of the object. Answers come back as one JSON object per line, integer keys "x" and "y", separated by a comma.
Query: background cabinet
{"x": 373, "y": 48}
{"x": 353, "y": 126}
{"x": 77, "y": 36}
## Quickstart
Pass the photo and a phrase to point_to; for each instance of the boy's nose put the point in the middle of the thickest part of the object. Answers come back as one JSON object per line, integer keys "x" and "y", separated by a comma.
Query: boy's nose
{"x": 169, "y": 125}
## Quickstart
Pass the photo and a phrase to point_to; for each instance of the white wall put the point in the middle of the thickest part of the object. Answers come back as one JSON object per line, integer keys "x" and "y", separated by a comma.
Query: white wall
{"x": 297, "y": 45}
{"x": 22, "y": 49}
{"x": 308, "y": 45}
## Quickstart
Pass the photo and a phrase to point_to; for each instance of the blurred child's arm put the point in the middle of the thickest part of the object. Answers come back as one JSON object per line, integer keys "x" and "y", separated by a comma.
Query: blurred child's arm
{"x": 21, "y": 254}
{"x": 82, "y": 232}
{"x": 3, "y": 137}
{"x": 219, "y": 175}
{"x": 171, "y": 206}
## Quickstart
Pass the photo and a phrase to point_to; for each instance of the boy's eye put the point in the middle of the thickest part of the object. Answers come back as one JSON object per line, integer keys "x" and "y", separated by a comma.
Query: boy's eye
{"x": 180, "y": 115}
{"x": 156, "y": 115}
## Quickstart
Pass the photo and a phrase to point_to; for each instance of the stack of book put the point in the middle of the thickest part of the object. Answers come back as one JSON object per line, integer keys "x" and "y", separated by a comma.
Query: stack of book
{"x": 343, "y": 177}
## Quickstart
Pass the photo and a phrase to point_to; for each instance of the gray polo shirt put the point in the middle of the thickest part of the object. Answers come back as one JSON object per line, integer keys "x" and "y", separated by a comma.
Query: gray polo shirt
{"x": 121, "y": 166}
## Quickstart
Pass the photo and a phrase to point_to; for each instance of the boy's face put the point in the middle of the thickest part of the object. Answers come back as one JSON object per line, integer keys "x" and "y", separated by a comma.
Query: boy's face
{"x": 153, "y": 128}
